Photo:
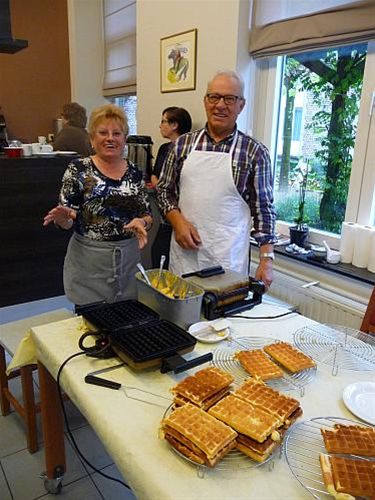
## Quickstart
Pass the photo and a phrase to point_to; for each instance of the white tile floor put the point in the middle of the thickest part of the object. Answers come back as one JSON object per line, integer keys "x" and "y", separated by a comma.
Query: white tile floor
{"x": 20, "y": 471}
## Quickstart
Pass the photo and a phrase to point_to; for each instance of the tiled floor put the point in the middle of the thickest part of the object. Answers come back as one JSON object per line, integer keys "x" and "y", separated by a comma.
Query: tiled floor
{"x": 20, "y": 471}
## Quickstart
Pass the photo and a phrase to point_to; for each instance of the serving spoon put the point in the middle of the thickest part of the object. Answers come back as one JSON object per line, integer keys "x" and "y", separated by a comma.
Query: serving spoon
{"x": 144, "y": 274}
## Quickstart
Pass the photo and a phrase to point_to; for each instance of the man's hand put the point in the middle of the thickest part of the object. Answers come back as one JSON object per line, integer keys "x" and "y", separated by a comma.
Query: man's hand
{"x": 264, "y": 272}
{"x": 185, "y": 233}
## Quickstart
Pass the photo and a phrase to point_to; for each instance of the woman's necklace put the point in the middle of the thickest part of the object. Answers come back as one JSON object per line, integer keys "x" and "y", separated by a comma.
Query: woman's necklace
{"x": 114, "y": 171}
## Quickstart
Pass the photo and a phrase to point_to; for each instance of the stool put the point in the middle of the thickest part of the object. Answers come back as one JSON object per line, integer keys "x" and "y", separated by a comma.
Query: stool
{"x": 11, "y": 335}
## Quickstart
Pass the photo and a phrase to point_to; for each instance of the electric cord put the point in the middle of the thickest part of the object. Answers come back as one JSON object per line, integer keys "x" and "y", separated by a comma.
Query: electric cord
{"x": 68, "y": 427}
{"x": 292, "y": 311}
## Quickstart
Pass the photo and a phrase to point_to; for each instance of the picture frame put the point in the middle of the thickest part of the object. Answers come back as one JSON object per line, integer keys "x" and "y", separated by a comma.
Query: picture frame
{"x": 178, "y": 56}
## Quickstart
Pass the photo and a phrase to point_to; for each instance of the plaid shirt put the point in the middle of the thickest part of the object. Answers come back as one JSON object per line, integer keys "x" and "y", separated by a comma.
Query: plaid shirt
{"x": 252, "y": 175}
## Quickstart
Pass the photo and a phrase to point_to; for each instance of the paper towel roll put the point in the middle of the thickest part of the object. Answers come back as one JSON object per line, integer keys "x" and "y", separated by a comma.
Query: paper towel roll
{"x": 362, "y": 245}
{"x": 371, "y": 261}
{"x": 348, "y": 230}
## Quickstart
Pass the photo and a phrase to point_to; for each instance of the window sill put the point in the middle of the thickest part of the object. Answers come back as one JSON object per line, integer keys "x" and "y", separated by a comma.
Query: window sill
{"x": 347, "y": 270}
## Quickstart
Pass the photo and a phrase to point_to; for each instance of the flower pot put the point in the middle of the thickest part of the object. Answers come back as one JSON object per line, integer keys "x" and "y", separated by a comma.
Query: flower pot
{"x": 299, "y": 235}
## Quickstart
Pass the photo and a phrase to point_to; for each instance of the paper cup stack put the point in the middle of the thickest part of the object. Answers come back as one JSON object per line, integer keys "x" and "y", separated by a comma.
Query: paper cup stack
{"x": 357, "y": 245}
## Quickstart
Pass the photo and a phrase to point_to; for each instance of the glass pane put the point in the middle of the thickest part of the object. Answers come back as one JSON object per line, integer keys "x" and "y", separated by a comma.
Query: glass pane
{"x": 318, "y": 114}
{"x": 129, "y": 105}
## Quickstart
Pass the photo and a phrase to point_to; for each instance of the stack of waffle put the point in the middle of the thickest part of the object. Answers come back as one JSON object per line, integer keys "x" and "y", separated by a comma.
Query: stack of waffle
{"x": 345, "y": 476}
{"x": 203, "y": 389}
{"x": 260, "y": 415}
{"x": 198, "y": 435}
{"x": 288, "y": 356}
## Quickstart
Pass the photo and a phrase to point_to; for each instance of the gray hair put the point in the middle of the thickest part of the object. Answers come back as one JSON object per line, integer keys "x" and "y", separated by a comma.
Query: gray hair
{"x": 231, "y": 74}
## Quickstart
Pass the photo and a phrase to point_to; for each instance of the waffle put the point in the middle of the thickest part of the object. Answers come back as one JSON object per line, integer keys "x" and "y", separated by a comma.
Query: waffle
{"x": 325, "y": 465}
{"x": 351, "y": 476}
{"x": 270, "y": 400}
{"x": 258, "y": 364}
{"x": 350, "y": 439}
{"x": 290, "y": 357}
{"x": 204, "y": 388}
{"x": 197, "y": 435}
{"x": 245, "y": 418}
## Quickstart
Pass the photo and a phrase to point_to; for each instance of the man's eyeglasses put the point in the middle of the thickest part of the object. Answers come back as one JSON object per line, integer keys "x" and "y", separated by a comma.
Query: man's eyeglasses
{"x": 228, "y": 99}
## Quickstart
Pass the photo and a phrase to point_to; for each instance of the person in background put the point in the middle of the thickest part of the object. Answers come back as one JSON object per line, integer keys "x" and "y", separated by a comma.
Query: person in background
{"x": 216, "y": 188}
{"x": 174, "y": 122}
{"x": 103, "y": 198}
{"x": 73, "y": 136}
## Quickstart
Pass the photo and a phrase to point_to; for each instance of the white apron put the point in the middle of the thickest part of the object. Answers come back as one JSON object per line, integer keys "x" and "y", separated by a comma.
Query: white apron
{"x": 210, "y": 200}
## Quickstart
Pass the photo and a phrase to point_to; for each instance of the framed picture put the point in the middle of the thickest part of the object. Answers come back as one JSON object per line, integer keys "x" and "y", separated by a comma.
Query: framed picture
{"x": 178, "y": 61}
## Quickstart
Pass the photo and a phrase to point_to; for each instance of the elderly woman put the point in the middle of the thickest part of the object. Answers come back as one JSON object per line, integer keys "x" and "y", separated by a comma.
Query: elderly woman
{"x": 73, "y": 136}
{"x": 104, "y": 199}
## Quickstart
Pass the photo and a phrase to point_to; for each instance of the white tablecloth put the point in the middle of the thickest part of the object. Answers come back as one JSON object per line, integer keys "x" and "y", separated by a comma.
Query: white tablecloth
{"x": 129, "y": 428}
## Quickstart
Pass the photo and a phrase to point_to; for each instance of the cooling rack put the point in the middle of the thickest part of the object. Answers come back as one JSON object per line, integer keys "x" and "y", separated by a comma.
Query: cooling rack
{"x": 223, "y": 357}
{"x": 232, "y": 462}
{"x": 302, "y": 445}
{"x": 337, "y": 346}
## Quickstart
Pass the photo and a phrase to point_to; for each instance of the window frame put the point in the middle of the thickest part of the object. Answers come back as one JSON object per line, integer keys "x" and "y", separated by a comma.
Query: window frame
{"x": 263, "y": 117}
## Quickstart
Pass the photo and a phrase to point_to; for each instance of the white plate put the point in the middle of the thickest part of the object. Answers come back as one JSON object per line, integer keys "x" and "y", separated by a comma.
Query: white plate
{"x": 47, "y": 155}
{"x": 67, "y": 153}
{"x": 210, "y": 337}
{"x": 360, "y": 400}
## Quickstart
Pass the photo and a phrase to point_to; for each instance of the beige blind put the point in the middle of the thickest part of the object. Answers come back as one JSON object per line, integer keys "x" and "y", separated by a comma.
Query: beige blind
{"x": 120, "y": 47}
{"x": 290, "y": 26}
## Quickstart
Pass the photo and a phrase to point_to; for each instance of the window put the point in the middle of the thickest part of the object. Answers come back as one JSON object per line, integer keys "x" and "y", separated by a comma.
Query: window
{"x": 129, "y": 105}
{"x": 315, "y": 120}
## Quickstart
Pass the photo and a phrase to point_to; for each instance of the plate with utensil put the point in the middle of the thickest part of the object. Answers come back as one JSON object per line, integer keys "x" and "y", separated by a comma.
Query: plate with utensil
{"x": 210, "y": 332}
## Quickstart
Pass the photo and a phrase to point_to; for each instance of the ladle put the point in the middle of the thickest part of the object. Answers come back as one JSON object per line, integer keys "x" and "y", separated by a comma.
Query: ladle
{"x": 162, "y": 260}
{"x": 142, "y": 269}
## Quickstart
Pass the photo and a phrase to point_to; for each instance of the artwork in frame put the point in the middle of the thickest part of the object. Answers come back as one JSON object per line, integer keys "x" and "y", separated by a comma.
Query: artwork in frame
{"x": 178, "y": 61}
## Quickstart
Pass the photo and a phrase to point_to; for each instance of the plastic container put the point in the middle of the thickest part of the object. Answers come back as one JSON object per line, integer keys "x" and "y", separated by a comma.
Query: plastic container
{"x": 183, "y": 304}
{"x": 13, "y": 152}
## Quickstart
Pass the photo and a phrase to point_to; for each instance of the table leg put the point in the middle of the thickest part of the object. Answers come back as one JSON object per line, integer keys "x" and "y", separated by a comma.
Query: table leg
{"x": 53, "y": 430}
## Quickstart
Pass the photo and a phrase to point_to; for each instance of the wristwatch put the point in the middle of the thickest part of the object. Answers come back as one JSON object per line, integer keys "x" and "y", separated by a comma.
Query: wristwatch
{"x": 267, "y": 255}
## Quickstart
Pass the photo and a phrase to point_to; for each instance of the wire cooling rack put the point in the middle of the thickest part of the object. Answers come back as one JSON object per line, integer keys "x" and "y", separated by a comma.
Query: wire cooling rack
{"x": 337, "y": 346}
{"x": 223, "y": 357}
{"x": 302, "y": 446}
{"x": 232, "y": 462}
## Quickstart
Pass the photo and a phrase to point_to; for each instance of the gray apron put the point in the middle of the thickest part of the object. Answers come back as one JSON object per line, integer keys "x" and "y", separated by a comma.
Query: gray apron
{"x": 100, "y": 270}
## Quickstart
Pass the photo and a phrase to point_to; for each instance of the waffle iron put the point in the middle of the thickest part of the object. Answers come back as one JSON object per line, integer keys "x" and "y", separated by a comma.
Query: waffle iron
{"x": 140, "y": 338}
{"x": 227, "y": 292}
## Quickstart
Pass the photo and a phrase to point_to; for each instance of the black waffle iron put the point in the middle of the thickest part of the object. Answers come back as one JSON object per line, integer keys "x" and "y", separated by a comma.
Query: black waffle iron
{"x": 226, "y": 292}
{"x": 140, "y": 338}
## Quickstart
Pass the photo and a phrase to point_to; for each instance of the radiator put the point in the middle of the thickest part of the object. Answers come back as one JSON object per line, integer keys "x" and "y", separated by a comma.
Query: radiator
{"x": 315, "y": 302}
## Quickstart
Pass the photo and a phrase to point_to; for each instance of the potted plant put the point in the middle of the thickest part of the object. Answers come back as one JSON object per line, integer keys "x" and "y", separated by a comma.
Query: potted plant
{"x": 300, "y": 232}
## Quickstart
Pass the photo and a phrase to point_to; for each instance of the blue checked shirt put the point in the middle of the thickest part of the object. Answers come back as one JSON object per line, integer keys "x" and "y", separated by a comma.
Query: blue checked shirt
{"x": 252, "y": 175}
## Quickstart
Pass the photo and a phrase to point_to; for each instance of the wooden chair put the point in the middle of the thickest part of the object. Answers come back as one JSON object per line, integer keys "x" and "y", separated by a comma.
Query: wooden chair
{"x": 11, "y": 335}
{"x": 368, "y": 323}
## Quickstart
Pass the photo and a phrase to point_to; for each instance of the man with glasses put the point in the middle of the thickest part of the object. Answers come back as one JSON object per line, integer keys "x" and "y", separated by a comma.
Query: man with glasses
{"x": 216, "y": 188}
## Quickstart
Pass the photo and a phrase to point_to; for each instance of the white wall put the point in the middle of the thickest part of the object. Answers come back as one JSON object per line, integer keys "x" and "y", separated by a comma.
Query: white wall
{"x": 221, "y": 44}
{"x": 86, "y": 51}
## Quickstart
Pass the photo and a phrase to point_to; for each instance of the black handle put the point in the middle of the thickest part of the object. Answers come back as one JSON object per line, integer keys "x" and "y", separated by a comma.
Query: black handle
{"x": 193, "y": 362}
{"x": 91, "y": 379}
{"x": 206, "y": 272}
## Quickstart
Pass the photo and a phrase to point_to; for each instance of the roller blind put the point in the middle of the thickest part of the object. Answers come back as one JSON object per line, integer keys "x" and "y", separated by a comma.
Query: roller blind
{"x": 290, "y": 26}
{"x": 120, "y": 47}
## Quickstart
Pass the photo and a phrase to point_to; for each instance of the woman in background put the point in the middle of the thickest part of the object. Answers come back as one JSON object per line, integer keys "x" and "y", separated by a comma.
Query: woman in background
{"x": 73, "y": 136}
{"x": 103, "y": 199}
{"x": 174, "y": 122}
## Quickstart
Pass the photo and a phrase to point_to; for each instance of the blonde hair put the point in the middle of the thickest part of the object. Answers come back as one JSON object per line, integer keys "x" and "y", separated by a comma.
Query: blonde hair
{"x": 108, "y": 112}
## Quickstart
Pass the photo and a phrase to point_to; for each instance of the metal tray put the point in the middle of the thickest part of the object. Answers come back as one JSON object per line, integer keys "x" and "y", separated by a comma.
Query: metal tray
{"x": 302, "y": 445}
{"x": 224, "y": 359}
{"x": 337, "y": 346}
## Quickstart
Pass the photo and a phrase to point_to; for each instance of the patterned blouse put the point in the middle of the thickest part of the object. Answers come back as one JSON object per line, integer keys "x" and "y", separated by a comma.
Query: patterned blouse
{"x": 103, "y": 205}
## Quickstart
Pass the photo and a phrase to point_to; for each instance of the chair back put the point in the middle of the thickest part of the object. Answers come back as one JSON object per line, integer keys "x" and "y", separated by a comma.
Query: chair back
{"x": 368, "y": 323}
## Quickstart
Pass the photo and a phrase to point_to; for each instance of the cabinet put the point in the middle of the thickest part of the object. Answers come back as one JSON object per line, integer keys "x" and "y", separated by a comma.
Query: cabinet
{"x": 31, "y": 256}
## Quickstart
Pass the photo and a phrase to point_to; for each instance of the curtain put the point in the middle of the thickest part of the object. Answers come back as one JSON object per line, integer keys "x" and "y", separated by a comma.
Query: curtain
{"x": 289, "y": 26}
{"x": 120, "y": 47}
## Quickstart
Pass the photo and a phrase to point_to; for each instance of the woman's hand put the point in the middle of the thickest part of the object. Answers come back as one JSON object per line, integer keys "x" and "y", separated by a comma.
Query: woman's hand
{"x": 138, "y": 227}
{"x": 62, "y": 216}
